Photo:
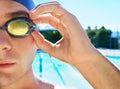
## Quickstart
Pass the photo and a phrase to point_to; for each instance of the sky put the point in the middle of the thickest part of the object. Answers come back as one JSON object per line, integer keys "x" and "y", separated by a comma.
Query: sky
{"x": 93, "y": 12}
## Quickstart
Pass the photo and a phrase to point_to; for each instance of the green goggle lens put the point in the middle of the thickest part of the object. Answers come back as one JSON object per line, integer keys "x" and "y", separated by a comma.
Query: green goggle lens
{"x": 19, "y": 27}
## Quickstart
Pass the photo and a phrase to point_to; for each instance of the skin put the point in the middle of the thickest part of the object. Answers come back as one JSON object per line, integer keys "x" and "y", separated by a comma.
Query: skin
{"x": 74, "y": 43}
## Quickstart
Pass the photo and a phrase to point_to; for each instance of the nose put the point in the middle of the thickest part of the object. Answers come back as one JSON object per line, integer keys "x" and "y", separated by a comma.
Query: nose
{"x": 4, "y": 41}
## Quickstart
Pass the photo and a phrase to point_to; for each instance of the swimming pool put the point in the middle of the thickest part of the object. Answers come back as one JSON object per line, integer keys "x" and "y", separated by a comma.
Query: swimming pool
{"x": 115, "y": 60}
{"x": 59, "y": 73}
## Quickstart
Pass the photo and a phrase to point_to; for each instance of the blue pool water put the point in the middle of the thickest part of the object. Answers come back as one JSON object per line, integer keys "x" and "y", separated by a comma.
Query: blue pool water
{"x": 59, "y": 73}
{"x": 115, "y": 60}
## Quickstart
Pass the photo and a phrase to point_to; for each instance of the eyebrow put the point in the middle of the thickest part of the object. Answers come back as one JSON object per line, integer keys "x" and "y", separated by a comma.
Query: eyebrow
{"x": 17, "y": 14}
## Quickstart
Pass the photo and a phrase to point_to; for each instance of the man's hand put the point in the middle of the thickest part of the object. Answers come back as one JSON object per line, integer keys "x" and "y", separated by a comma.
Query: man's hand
{"x": 74, "y": 47}
{"x": 74, "y": 44}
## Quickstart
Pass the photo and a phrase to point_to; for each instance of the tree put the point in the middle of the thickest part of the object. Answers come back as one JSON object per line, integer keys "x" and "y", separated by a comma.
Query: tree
{"x": 51, "y": 35}
{"x": 100, "y": 37}
{"x": 92, "y": 35}
{"x": 104, "y": 37}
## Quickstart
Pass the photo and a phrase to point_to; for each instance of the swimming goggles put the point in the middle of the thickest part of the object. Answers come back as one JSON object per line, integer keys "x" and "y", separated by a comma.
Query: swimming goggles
{"x": 19, "y": 27}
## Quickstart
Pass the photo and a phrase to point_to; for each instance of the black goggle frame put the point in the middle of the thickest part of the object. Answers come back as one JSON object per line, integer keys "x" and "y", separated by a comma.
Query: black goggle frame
{"x": 31, "y": 26}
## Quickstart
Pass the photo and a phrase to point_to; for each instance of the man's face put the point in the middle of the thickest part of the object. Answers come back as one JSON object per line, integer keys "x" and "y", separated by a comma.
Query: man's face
{"x": 16, "y": 54}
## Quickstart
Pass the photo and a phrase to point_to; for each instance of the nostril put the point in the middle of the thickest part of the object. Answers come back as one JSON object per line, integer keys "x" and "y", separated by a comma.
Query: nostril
{"x": 4, "y": 48}
{"x": 5, "y": 45}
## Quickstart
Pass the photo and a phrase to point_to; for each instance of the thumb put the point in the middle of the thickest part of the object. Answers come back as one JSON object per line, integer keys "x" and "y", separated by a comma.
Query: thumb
{"x": 41, "y": 42}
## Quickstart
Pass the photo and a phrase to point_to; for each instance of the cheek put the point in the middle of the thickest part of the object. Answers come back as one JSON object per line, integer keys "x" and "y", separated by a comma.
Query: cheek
{"x": 25, "y": 47}
{"x": 28, "y": 56}
{"x": 24, "y": 64}
{"x": 25, "y": 51}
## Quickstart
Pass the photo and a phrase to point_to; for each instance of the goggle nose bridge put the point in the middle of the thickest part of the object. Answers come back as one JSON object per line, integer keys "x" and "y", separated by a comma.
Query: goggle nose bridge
{"x": 3, "y": 28}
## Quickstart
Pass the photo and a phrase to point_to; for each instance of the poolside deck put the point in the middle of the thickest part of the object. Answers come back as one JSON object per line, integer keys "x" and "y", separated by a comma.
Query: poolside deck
{"x": 111, "y": 52}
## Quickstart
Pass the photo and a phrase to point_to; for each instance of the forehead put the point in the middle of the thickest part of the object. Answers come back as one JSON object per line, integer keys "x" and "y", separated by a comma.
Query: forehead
{"x": 9, "y": 6}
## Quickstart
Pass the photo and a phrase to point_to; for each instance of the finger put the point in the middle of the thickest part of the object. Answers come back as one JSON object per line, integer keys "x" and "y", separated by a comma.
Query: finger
{"x": 66, "y": 19}
{"x": 53, "y": 8}
{"x": 52, "y": 49}
{"x": 49, "y": 19}
{"x": 65, "y": 27}
{"x": 41, "y": 42}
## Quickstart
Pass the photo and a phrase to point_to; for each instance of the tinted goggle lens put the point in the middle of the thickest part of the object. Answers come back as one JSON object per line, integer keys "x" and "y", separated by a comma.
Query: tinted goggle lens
{"x": 20, "y": 27}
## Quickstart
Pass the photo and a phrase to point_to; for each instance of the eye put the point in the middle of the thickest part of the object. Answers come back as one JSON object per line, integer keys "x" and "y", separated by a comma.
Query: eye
{"x": 18, "y": 27}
